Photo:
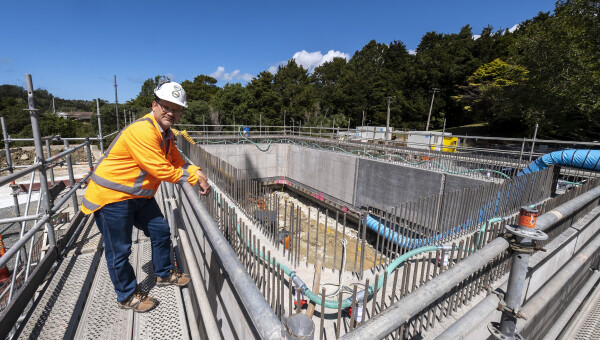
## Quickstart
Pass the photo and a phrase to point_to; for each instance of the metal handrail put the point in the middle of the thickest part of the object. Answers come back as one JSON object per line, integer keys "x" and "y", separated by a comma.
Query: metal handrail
{"x": 66, "y": 152}
{"x": 406, "y": 133}
{"x": 45, "y": 218}
{"x": 9, "y": 178}
{"x": 264, "y": 319}
{"x": 20, "y": 218}
{"x": 40, "y": 164}
{"x": 394, "y": 316}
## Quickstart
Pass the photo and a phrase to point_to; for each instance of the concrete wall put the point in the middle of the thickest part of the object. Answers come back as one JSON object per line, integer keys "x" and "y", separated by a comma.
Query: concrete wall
{"x": 353, "y": 180}
{"x": 326, "y": 171}
{"x": 259, "y": 164}
{"x": 385, "y": 185}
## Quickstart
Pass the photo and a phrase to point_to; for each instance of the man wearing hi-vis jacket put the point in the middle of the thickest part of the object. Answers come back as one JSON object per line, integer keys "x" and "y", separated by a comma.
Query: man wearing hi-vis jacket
{"x": 121, "y": 195}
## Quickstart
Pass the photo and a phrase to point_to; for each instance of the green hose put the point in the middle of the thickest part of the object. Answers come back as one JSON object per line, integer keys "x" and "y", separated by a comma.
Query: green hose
{"x": 315, "y": 298}
{"x": 333, "y": 304}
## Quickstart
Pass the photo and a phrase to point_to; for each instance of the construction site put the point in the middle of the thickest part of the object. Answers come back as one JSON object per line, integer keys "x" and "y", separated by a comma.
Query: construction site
{"x": 315, "y": 233}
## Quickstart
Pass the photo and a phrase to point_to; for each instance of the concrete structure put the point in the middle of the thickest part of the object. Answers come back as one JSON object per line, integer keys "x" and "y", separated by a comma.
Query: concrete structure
{"x": 352, "y": 179}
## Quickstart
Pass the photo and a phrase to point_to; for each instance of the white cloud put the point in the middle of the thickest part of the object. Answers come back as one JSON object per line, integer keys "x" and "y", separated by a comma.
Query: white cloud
{"x": 476, "y": 36}
{"x": 310, "y": 60}
{"x": 220, "y": 74}
{"x": 412, "y": 52}
{"x": 514, "y": 28}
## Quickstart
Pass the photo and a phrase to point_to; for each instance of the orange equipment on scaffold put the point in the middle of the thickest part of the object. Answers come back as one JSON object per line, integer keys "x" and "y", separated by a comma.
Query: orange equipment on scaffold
{"x": 4, "y": 272}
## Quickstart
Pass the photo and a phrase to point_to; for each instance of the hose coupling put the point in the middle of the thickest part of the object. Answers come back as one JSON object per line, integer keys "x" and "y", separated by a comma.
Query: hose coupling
{"x": 298, "y": 282}
{"x": 445, "y": 247}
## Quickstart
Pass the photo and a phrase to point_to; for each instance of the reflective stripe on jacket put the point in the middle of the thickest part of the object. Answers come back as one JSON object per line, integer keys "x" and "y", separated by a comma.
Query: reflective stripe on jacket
{"x": 135, "y": 164}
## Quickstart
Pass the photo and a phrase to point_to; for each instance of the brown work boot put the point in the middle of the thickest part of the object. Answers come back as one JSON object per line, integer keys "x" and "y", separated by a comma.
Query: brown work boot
{"x": 139, "y": 301}
{"x": 176, "y": 278}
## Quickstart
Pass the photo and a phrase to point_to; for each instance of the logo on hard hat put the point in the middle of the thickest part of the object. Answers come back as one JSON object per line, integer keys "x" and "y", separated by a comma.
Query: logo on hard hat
{"x": 177, "y": 92}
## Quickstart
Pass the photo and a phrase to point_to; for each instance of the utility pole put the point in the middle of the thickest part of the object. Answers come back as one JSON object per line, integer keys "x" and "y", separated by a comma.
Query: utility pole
{"x": 431, "y": 107}
{"x": 53, "y": 107}
{"x": 363, "y": 120}
{"x": 284, "y": 112}
{"x": 390, "y": 100}
{"x": 116, "y": 103}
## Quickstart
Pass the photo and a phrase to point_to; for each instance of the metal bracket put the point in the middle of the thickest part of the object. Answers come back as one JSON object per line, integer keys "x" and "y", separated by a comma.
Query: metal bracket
{"x": 493, "y": 291}
{"x": 15, "y": 189}
{"x": 516, "y": 313}
{"x": 533, "y": 234}
{"x": 494, "y": 328}
{"x": 514, "y": 232}
{"x": 522, "y": 248}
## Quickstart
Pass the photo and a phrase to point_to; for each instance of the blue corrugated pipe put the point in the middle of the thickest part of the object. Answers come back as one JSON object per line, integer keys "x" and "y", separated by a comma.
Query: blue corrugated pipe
{"x": 584, "y": 159}
{"x": 581, "y": 158}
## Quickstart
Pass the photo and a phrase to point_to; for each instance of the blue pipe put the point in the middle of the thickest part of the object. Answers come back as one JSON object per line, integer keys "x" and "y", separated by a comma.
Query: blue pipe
{"x": 582, "y": 158}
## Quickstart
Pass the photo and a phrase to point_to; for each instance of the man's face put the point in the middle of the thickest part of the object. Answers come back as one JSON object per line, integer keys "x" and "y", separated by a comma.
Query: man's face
{"x": 166, "y": 113}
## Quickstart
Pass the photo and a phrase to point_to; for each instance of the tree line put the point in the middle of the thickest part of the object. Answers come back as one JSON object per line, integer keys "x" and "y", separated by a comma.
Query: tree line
{"x": 546, "y": 72}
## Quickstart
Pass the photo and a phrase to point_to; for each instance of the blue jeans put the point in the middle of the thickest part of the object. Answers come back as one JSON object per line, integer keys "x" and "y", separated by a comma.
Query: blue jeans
{"x": 116, "y": 221}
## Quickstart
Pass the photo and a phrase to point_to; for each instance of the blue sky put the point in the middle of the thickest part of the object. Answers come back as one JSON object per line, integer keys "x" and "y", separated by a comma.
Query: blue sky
{"x": 74, "y": 48}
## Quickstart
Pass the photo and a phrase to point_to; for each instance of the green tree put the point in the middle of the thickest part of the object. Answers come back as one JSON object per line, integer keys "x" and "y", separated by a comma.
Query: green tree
{"x": 198, "y": 112}
{"x": 202, "y": 88}
{"x": 326, "y": 79}
{"x": 265, "y": 101}
{"x": 297, "y": 94}
{"x": 494, "y": 94}
{"x": 232, "y": 105}
{"x": 146, "y": 95}
{"x": 561, "y": 52}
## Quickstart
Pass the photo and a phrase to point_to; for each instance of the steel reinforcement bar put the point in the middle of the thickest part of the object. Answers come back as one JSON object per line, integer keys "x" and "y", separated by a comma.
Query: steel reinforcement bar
{"x": 396, "y": 315}
{"x": 266, "y": 322}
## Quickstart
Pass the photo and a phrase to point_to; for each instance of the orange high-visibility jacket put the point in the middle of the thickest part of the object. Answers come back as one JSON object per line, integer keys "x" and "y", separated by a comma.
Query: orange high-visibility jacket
{"x": 135, "y": 164}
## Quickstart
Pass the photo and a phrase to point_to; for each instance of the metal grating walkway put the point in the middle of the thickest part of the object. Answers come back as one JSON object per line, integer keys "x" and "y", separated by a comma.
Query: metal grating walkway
{"x": 587, "y": 322}
{"x": 79, "y": 302}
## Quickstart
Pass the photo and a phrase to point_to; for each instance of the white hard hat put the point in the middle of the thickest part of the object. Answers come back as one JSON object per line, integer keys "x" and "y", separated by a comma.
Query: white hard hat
{"x": 172, "y": 92}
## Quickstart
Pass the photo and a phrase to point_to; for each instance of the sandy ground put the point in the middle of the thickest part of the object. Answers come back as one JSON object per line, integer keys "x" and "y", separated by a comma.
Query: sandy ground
{"x": 325, "y": 236}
